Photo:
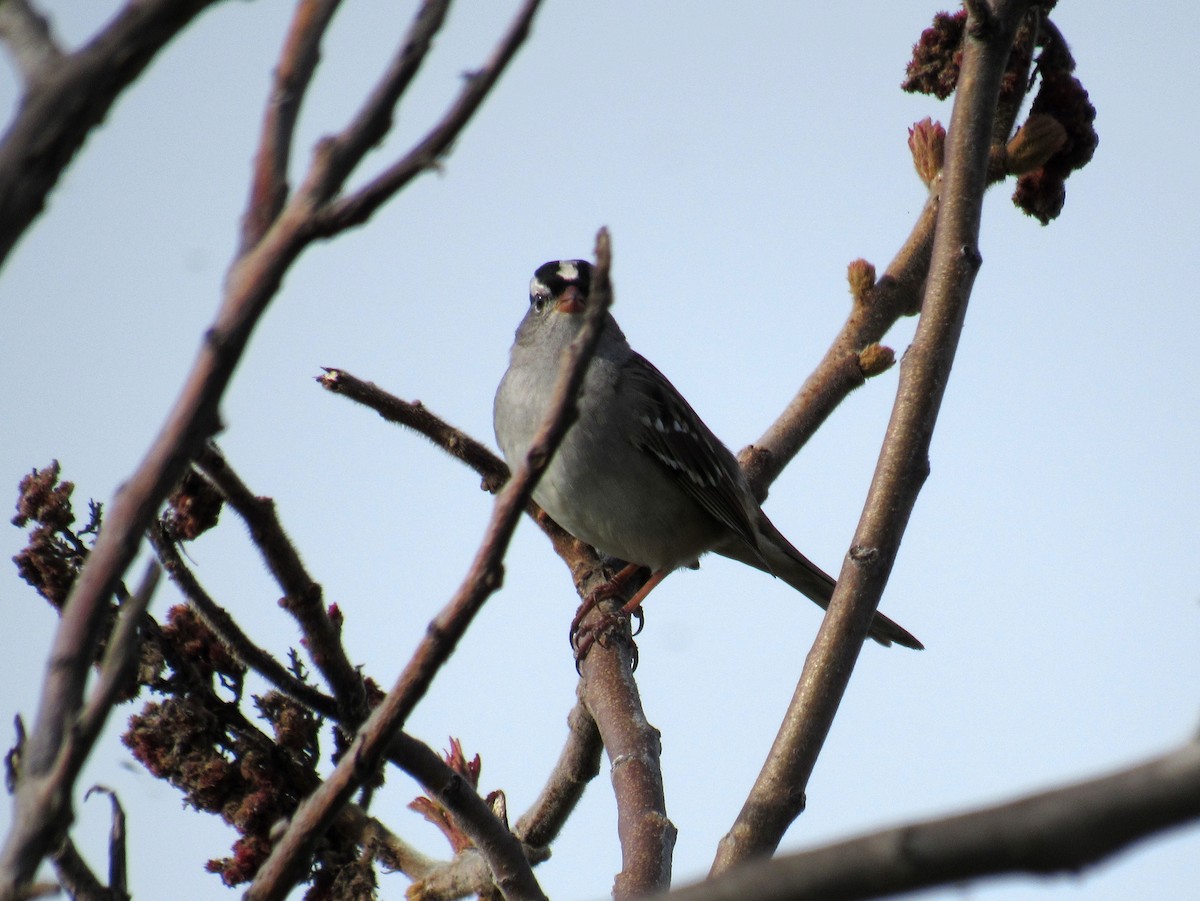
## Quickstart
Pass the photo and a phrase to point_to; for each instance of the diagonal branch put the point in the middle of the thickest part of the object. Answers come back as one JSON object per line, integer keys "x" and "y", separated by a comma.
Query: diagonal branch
{"x": 358, "y": 207}
{"x": 878, "y": 305}
{"x": 778, "y": 794}
{"x": 289, "y": 857}
{"x": 1057, "y": 831}
{"x": 416, "y": 416}
{"x": 50, "y": 127}
{"x": 302, "y": 594}
{"x": 338, "y": 155}
{"x": 225, "y": 627}
{"x": 70, "y": 96}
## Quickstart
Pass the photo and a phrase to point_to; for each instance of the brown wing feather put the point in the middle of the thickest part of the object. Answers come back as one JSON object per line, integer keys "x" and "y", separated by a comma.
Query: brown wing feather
{"x": 697, "y": 460}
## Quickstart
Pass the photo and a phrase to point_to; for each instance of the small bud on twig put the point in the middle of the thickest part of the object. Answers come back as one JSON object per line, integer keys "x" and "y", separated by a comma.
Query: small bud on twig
{"x": 861, "y": 276}
{"x": 927, "y": 141}
{"x": 875, "y": 359}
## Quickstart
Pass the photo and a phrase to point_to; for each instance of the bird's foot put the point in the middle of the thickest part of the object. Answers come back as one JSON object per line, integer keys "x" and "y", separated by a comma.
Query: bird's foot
{"x": 600, "y": 628}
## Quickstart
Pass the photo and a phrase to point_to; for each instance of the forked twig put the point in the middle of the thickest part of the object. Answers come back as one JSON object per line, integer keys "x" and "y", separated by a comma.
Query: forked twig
{"x": 778, "y": 794}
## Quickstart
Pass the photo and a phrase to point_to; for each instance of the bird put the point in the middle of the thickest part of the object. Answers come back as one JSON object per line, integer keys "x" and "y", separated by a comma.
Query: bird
{"x": 638, "y": 475}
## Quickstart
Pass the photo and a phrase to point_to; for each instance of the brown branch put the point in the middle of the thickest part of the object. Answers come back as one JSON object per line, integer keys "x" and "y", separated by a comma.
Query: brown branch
{"x": 358, "y": 207}
{"x": 633, "y": 746}
{"x": 581, "y": 559}
{"x": 42, "y": 815}
{"x": 54, "y": 120}
{"x": 501, "y": 850}
{"x": 297, "y": 63}
{"x": 77, "y": 878}
{"x": 302, "y": 594}
{"x": 1057, "y": 831}
{"x": 897, "y": 293}
{"x": 578, "y": 764}
{"x": 778, "y": 794}
{"x": 69, "y": 96}
{"x": 225, "y": 627}
{"x": 337, "y": 156}
{"x": 877, "y": 306}
{"x": 417, "y": 417}
{"x": 288, "y": 858}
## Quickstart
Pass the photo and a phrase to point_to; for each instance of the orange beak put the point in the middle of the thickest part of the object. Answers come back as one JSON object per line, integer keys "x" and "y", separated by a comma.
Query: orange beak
{"x": 570, "y": 301}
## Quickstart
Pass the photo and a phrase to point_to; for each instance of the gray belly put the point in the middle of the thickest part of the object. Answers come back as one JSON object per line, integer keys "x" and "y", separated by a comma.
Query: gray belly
{"x": 608, "y": 507}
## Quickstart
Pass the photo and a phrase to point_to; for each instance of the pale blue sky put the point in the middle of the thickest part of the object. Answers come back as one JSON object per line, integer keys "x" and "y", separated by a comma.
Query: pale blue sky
{"x": 742, "y": 155}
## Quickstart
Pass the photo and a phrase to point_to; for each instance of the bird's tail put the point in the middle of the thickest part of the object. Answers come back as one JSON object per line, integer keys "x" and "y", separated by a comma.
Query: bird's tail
{"x": 779, "y": 558}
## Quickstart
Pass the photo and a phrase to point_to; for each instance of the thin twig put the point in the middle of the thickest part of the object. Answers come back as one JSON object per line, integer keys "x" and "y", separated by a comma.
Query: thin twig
{"x": 56, "y": 120}
{"x": 289, "y": 857}
{"x": 578, "y": 764}
{"x": 225, "y": 627}
{"x": 337, "y": 156}
{"x": 633, "y": 746}
{"x": 580, "y": 558}
{"x": 896, "y": 294}
{"x": 778, "y": 794}
{"x": 489, "y": 835}
{"x": 293, "y": 74}
{"x": 359, "y": 206}
{"x": 417, "y": 417}
{"x": 302, "y": 593}
{"x": 77, "y": 878}
{"x": 117, "y": 864}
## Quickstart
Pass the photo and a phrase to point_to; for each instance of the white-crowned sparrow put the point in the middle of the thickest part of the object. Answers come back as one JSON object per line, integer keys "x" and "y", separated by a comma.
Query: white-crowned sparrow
{"x": 638, "y": 476}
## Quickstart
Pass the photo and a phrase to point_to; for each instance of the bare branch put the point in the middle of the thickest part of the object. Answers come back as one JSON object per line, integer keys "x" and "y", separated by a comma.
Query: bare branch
{"x": 647, "y": 836}
{"x": 231, "y": 635}
{"x": 417, "y": 417}
{"x": 77, "y": 878}
{"x": 337, "y": 156}
{"x": 70, "y": 97}
{"x": 578, "y": 764}
{"x": 303, "y": 595}
{"x": 878, "y": 305}
{"x": 297, "y": 63}
{"x": 358, "y": 207}
{"x": 288, "y": 858}
{"x": 30, "y": 40}
{"x": 1058, "y": 831}
{"x": 56, "y": 119}
{"x": 491, "y": 837}
{"x": 778, "y": 794}
{"x": 42, "y": 810}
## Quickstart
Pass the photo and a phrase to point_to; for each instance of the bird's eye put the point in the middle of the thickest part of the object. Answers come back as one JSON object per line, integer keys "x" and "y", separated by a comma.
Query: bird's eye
{"x": 539, "y": 302}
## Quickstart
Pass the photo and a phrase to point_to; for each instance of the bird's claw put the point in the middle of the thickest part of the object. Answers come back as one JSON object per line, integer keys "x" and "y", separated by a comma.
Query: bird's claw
{"x": 600, "y": 630}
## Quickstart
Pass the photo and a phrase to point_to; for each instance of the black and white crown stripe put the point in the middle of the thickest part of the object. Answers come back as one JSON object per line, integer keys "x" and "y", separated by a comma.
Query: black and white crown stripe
{"x": 552, "y": 278}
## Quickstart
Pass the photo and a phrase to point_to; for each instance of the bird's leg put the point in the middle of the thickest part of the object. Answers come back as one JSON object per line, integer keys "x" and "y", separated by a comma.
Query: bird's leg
{"x": 582, "y": 638}
{"x": 602, "y": 592}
